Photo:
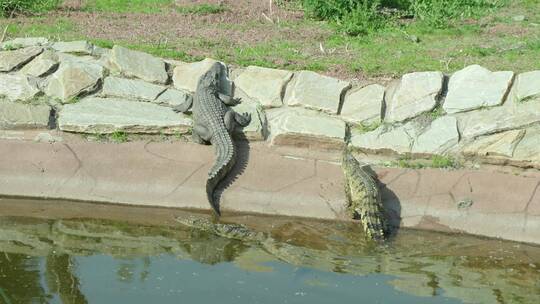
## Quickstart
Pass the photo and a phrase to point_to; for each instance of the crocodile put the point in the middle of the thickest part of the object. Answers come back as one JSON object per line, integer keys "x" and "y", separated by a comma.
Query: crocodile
{"x": 213, "y": 122}
{"x": 281, "y": 250}
{"x": 363, "y": 197}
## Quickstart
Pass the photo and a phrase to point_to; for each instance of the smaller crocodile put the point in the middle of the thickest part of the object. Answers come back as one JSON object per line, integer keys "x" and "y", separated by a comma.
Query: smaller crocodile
{"x": 213, "y": 122}
{"x": 283, "y": 251}
{"x": 230, "y": 231}
{"x": 363, "y": 197}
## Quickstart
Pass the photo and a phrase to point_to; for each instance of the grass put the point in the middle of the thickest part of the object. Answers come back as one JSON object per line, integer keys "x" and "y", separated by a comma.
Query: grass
{"x": 127, "y": 6}
{"x": 74, "y": 99}
{"x": 150, "y": 7}
{"x": 61, "y": 28}
{"x": 116, "y": 137}
{"x": 119, "y": 137}
{"x": 489, "y": 37}
{"x": 436, "y": 161}
{"x": 437, "y": 112}
{"x": 11, "y": 7}
{"x": 201, "y": 9}
{"x": 367, "y": 127}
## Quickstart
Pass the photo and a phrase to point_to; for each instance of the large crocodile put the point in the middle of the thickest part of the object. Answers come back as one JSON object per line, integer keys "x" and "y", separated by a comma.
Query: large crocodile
{"x": 363, "y": 197}
{"x": 213, "y": 123}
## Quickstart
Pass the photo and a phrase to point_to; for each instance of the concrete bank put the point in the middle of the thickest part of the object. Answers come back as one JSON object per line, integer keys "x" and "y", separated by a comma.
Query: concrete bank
{"x": 267, "y": 180}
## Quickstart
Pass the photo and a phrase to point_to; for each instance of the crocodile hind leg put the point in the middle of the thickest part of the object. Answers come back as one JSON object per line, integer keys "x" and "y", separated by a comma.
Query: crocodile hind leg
{"x": 184, "y": 107}
{"x": 242, "y": 119}
{"x": 201, "y": 134}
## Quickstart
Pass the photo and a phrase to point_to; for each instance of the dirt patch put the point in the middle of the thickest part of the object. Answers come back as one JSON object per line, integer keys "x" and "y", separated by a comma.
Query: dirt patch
{"x": 507, "y": 30}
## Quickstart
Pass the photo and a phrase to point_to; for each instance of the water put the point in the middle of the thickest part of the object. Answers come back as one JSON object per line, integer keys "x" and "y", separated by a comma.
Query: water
{"x": 142, "y": 256}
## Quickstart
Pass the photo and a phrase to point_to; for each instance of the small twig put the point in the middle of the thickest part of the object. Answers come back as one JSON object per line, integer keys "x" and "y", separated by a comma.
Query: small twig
{"x": 6, "y": 28}
{"x": 321, "y": 48}
{"x": 4, "y": 33}
{"x": 267, "y": 18}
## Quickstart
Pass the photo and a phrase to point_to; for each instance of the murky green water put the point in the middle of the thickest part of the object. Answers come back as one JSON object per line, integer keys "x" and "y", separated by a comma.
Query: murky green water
{"x": 110, "y": 261}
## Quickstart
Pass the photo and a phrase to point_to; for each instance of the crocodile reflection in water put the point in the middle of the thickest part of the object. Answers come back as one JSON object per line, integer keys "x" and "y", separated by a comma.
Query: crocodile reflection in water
{"x": 59, "y": 277}
{"x": 470, "y": 269}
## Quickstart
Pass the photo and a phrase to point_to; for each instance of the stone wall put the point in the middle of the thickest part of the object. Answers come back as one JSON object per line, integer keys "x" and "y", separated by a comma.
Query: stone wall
{"x": 474, "y": 113}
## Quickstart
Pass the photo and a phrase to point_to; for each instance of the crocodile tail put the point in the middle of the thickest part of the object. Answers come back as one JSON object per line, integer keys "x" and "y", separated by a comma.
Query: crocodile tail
{"x": 225, "y": 159}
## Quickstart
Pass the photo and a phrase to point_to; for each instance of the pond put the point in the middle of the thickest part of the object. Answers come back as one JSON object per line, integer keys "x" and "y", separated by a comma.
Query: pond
{"x": 58, "y": 252}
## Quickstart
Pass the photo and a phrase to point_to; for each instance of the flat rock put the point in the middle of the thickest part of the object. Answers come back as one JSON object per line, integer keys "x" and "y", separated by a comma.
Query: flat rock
{"x": 172, "y": 97}
{"x": 386, "y": 139}
{"x": 15, "y": 115}
{"x": 476, "y": 87}
{"x": 130, "y": 89}
{"x": 264, "y": 85}
{"x": 311, "y": 90}
{"x": 415, "y": 94}
{"x": 258, "y": 127}
{"x": 438, "y": 138}
{"x": 305, "y": 128}
{"x": 19, "y": 43}
{"x": 76, "y": 58}
{"x": 527, "y": 150}
{"x": 72, "y": 79}
{"x": 526, "y": 87}
{"x": 363, "y": 105}
{"x": 500, "y": 144}
{"x": 185, "y": 76}
{"x": 138, "y": 64}
{"x": 107, "y": 115}
{"x": 79, "y": 47}
{"x": 41, "y": 65}
{"x": 507, "y": 117}
{"x": 17, "y": 87}
{"x": 10, "y": 60}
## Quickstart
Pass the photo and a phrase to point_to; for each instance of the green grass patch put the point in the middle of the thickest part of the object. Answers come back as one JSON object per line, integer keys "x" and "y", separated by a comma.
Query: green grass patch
{"x": 26, "y": 7}
{"x": 119, "y": 137}
{"x": 367, "y": 127}
{"x": 436, "y": 161}
{"x": 104, "y": 43}
{"x": 73, "y": 99}
{"x": 439, "y": 161}
{"x": 60, "y": 27}
{"x": 363, "y": 17}
{"x": 437, "y": 112}
{"x": 128, "y": 6}
{"x": 164, "y": 51}
{"x": 150, "y": 7}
